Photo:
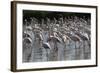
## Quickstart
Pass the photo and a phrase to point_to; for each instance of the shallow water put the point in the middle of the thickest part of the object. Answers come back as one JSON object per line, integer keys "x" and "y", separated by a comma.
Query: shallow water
{"x": 72, "y": 51}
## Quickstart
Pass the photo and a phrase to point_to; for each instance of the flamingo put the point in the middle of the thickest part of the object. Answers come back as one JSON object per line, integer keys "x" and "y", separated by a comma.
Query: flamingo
{"x": 47, "y": 47}
{"x": 76, "y": 39}
{"x": 84, "y": 38}
{"x": 84, "y": 34}
{"x": 27, "y": 48}
{"x": 27, "y": 43}
{"x": 55, "y": 39}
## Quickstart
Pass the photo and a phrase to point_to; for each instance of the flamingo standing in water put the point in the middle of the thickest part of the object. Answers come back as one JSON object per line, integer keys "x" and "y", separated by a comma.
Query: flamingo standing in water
{"x": 27, "y": 44}
{"x": 47, "y": 47}
{"x": 84, "y": 33}
{"x": 55, "y": 39}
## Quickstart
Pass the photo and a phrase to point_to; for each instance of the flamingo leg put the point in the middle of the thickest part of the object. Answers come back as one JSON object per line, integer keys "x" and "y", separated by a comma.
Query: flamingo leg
{"x": 75, "y": 50}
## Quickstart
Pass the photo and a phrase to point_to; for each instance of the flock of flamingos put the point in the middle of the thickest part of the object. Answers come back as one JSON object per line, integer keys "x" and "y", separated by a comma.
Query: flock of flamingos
{"x": 57, "y": 39}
